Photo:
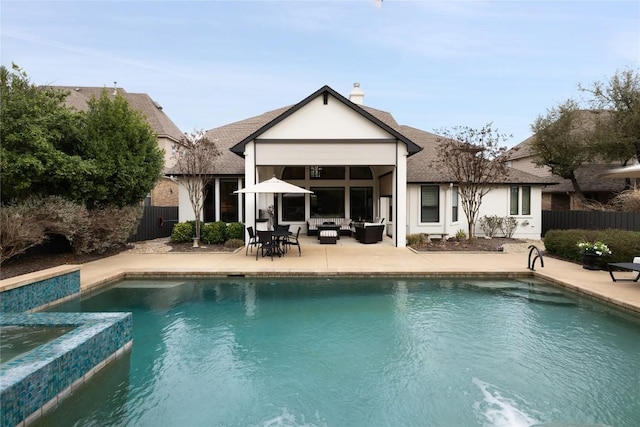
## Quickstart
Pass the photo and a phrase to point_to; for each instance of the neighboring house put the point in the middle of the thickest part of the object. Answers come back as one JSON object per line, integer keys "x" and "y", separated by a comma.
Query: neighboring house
{"x": 562, "y": 196}
{"x": 165, "y": 193}
{"x": 359, "y": 163}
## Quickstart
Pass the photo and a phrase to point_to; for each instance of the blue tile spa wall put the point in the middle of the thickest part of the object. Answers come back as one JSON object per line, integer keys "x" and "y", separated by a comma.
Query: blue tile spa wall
{"x": 39, "y": 377}
{"x": 39, "y": 293}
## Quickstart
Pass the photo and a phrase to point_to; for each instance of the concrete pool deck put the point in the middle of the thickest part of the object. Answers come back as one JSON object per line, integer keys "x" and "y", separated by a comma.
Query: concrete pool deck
{"x": 348, "y": 259}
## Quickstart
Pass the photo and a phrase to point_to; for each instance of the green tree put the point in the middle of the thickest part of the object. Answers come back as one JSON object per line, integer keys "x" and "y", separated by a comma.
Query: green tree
{"x": 35, "y": 128}
{"x": 561, "y": 141}
{"x": 474, "y": 159}
{"x": 125, "y": 149}
{"x": 617, "y": 133}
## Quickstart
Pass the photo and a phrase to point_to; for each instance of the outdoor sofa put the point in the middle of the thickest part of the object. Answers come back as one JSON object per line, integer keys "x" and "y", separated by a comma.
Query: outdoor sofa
{"x": 344, "y": 223}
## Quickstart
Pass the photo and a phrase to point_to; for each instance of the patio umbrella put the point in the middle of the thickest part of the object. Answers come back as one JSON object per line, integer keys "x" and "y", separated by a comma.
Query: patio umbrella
{"x": 626, "y": 172}
{"x": 273, "y": 185}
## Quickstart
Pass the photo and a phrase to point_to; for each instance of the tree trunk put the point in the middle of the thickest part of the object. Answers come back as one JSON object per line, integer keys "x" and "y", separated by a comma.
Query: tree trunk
{"x": 472, "y": 230}
{"x": 578, "y": 191}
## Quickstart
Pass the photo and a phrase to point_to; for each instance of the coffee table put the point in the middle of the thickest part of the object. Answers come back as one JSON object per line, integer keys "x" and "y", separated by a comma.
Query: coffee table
{"x": 335, "y": 227}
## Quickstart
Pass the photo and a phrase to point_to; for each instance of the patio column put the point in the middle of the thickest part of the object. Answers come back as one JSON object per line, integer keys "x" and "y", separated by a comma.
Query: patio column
{"x": 400, "y": 196}
{"x": 249, "y": 179}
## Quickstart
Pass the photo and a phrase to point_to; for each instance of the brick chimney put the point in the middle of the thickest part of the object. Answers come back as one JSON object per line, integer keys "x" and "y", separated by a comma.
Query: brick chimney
{"x": 357, "y": 95}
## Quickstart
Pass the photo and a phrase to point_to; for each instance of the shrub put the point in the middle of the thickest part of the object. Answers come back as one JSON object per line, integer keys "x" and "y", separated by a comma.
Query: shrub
{"x": 624, "y": 245}
{"x": 461, "y": 235}
{"x": 214, "y": 233}
{"x": 28, "y": 223}
{"x": 509, "y": 226}
{"x": 20, "y": 229}
{"x": 234, "y": 243}
{"x": 108, "y": 227}
{"x": 183, "y": 232}
{"x": 235, "y": 230}
{"x": 417, "y": 239}
{"x": 491, "y": 224}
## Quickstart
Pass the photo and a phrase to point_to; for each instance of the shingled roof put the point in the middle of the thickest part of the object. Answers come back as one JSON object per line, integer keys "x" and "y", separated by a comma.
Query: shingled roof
{"x": 423, "y": 145}
{"x": 420, "y": 166}
{"x": 161, "y": 124}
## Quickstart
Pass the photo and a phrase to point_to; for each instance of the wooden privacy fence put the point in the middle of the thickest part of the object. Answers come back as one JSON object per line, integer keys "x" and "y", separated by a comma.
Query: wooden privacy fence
{"x": 589, "y": 220}
{"x": 157, "y": 221}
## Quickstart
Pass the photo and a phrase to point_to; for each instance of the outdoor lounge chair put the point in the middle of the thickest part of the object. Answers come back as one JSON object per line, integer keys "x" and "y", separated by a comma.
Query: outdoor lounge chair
{"x": 369, "y": 232}
{"x": 625, "y": 266}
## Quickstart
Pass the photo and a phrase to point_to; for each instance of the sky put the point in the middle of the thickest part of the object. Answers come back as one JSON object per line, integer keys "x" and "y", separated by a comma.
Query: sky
{"x": 434, "y": 65}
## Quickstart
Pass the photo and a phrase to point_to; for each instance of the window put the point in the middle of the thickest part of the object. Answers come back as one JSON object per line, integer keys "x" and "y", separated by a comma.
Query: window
{"x": 293, "y": 172}
{"x": 526, "y": 200}
{"x": 454, "y": 203}
{"x": 360, "y": 172}
{"x": 327, "y": 201}
{"x": 209, "y": 204}
{"x": 513, "y": 200}
{"x": 293, "y": 207}
{"x": 326, "y": 172}
{"x": 520, "y": 196}
{"x": 228, "y": 200}
{"x": 361, "y": 201}
{"x": 430, "y": 203}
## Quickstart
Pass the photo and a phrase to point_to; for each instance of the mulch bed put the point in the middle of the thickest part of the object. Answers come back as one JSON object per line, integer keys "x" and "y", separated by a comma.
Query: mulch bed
{"x": 26, "y": 263}
{"x": 476, "y": 245}
{"x": 188, "y": 247}
{"x": 23, "y": 264}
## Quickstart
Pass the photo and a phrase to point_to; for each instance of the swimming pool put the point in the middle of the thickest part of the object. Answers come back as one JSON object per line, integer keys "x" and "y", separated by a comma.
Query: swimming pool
{"x": 336, "y": 352}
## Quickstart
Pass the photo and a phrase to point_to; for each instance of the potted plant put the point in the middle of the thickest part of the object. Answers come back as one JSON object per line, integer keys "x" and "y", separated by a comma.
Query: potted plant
{"x": 592, "y": 253}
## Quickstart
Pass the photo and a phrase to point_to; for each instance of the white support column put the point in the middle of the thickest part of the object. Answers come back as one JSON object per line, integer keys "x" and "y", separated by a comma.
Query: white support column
{"x": 400, "y": 195}
{"x": 216, "y": 199}
{"x": 250, "y": 179}
{"x": 239, "y": 201}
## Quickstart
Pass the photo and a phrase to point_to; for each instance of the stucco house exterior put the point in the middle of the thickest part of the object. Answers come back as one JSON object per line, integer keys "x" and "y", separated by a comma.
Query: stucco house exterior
{"x": 359, "y": 163}
{"x": 165, "y": 193}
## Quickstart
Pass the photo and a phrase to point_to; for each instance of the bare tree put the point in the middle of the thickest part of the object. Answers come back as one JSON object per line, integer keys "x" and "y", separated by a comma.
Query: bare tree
{"x": 473, "y": 158}
{"x": 195, "y": 161}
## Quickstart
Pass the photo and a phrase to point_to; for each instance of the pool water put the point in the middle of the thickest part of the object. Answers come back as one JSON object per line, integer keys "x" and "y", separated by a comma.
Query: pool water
{"x": 361, "y": 352}
{"x": 18, "y": 340}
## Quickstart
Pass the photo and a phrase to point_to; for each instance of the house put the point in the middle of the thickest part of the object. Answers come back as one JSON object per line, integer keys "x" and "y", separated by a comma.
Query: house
{"x": 165, "y": 193}
{"x": 359, "y": 163}
{"x": 562, "y": 196}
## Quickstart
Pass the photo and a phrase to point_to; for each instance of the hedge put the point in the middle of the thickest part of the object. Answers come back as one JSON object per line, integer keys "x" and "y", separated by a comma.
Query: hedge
{"x": 624, "y": 245}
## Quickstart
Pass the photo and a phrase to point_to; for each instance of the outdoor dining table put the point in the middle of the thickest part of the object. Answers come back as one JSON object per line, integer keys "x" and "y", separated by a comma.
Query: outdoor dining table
{"x": 280, "y": 237}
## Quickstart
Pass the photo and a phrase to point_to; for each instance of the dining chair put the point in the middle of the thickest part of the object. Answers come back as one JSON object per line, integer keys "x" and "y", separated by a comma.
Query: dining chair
{"x": 295, "y": 241}
{"x": 253, "y": 241}
{"x": 265, "y": 243}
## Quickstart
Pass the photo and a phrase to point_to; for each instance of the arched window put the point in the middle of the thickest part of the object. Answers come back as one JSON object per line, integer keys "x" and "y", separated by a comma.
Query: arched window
{"x": 360, "y": 172}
